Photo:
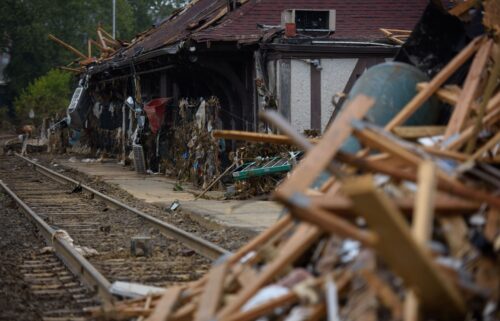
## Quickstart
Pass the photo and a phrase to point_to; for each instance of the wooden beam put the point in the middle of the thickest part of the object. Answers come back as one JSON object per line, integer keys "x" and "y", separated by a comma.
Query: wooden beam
{"x": 491, "y": 85}
{"x": 101, "y": 40}
{"x": 445, "y": 205}
{"x": 486, "y": 147}
{"x": 212, "y": 293}
{"x": 422, "y": 226}
{"x": 63, "y": 44}
{"x": 434, "y": 84}
{"x": 331, "y": 223}
{"x": 256, "y": 137}
{"x": 166, "y": 304}
{"x": 317, "y": 159}
{"x": 469, "y": 90}
{"x": 399, "y": 250}
{"x": 492, "y": 116}
{"x": 448, "y": 94}
{"x": 412, "y": 132}
{"x": 382, "y": 143}
{"x": 294, "y": 247}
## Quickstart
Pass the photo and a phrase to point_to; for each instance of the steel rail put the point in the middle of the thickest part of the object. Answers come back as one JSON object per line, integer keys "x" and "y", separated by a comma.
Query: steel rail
{"x": 199, "y": 245}
{"x": 75, "y": 262}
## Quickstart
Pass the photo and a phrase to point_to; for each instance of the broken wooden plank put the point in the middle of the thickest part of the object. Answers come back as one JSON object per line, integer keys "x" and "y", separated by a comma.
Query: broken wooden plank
{"x": 384, "y": 292}
{"x": 421, "y": 226}
{"x": 212, "y": 293}
{"x": 445, "y": 205}
{"x": 317, "y": 159}
{"x": 401, "y": 252}
{"x": 486, "y": 147}
{"x": 413, "y": 132}
{"x": 492, "y": 116}
{"x": 166, "y": 304}
{"x": 434, "y": 84}
{"x": 469, "y": 90}
{"x": 295, "y": 246}
{"x": 448, "y": 94}
{"x": 488, "y": 92}
{"x": 445, "y": 182}
{"x": 456, "y": 235}
{"x": 256, "y": 137}
{"x": 329, "y": 222}
{"x": 67, "y": 46}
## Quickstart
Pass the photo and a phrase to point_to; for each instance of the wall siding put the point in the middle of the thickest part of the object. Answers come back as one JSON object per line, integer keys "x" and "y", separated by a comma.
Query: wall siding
{"x": 334, "y": 76}
{"x": 300, "y": 101}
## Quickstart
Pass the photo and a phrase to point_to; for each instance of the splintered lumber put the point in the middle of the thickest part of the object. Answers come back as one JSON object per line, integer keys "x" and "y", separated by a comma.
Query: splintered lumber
{"x": 424, "y": 202}
{"x": 67, "y": 46}
{"x": 469, "y": 90}
{"x": 166, "y": 304}
{"x": 318, "y": 158}
{"x": 300, "y": 241}
{"x": 255, "y": 137}
{"x": 263, "y": 309}
{"x": 101, "y": 40}
{"x": 445, "y": 182}
{"x": 455, "y": 232}
{"x": 401, "y": 252}
{"x": 434, "y": 84}
{"x": 384, "y": 292}
{"x": 328, "y": 222}
{"x": 445, "y": 205}
{"x": 492, "y": 116}
{"x": 488, "y": 92}
{"x": 422, "y": 225}
{"x": 412, "y": 132}
{"x": 283, "y": 224}
{"x": 447, "y": 94}
{"x": 486, "y": 147}
{"x": 212, "y": 293}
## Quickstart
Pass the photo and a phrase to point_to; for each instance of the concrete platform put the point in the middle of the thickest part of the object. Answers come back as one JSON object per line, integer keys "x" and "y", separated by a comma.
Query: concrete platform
{"x": 156, "y": 189}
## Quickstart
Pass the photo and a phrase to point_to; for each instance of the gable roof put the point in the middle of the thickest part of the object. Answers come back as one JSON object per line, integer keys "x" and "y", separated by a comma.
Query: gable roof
{"x": 211, "y": 20}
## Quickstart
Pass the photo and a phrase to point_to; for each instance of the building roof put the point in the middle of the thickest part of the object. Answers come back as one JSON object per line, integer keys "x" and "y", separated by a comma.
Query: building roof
{"x": 211, "y": 20}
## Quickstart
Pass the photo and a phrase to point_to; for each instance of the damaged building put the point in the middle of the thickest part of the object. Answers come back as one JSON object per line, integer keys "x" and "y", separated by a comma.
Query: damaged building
{"x": 232, "y": 58}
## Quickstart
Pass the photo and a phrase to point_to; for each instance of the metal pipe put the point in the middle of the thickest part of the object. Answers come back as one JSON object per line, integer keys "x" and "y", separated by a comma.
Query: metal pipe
{"x": 114, "y": 19}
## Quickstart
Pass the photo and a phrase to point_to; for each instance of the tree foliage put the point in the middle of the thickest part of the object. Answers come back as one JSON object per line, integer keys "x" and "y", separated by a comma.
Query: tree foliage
{"x": 46, "y": 96}
{"x": 25, "y": 25}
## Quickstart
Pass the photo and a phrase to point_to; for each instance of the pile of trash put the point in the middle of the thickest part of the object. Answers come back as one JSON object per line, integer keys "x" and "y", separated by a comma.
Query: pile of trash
{"x": 195, "y": 153}
{"x": 407, "y": 227}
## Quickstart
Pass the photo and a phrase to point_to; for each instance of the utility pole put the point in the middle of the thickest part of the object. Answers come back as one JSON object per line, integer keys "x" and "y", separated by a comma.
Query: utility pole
{"x": 114, "y": 19}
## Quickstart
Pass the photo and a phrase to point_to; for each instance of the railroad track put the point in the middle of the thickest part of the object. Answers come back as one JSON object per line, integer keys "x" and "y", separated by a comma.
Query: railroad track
{"x": 34, "y": 283}
{"x": 100, "y": 223}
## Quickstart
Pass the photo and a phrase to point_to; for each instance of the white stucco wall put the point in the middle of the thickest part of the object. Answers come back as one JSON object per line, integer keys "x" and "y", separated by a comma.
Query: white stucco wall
{"x": 300, "y": 102}
{"x": 334, "y": 77}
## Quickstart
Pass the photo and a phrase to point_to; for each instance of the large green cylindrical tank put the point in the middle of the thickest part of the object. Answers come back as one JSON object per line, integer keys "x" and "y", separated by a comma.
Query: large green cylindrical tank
{"x": 392, "y": 85}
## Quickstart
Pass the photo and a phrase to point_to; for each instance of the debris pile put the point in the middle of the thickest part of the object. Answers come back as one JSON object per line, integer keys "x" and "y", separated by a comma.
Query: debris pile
{"x": 401, "y": 229}
{"x": 195, "y": 152}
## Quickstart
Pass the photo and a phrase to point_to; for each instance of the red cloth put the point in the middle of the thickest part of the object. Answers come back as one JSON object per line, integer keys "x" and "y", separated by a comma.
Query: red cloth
{"x": 155, "y": 110}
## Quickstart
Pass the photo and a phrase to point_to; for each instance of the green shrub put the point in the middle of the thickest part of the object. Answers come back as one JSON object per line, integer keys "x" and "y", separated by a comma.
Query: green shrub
{"x": 46, "y": 96}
